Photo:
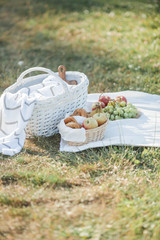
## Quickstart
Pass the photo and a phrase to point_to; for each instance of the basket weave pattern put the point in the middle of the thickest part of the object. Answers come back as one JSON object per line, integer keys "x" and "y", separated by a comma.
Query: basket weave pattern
{"x": 48, "y": 113}
{"x": 92, "y": 135}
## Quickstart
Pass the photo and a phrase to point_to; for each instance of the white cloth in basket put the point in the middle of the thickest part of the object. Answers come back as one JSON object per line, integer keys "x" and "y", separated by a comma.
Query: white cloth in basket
{"x": 143, "y": 131}
{"x": 48, "y": 111}
{"x": 16, "y": 110}
{"x": 69, "y": 134}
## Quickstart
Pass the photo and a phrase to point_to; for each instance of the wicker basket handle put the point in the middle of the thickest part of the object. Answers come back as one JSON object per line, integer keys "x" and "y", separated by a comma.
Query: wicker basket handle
{"x": 23, "y": 74}
{"x": 46, "y": 70}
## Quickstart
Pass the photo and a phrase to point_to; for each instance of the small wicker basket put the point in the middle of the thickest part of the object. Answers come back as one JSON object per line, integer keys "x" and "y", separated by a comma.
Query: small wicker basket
{"x": 92, "y": 135}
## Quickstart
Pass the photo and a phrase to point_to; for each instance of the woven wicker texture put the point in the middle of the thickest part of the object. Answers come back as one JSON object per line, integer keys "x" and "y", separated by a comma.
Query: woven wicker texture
{"x": 48, "y": 113}
{"x": 92, "y": 135}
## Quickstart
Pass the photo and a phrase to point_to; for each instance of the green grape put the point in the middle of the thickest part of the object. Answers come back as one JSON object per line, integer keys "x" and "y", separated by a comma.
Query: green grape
{"x": 108, "y": 115}
{"x": 129, "y": 104}
{"x": 123, "y": 104}
{"x": 112, "y": 117}
{"x": 111, "y": 103}
{"x": 127, "y": 110}
{"x": 117, "y": 104}
{"x": 134, "y": 114}
{"x": 124, "y": 109}
{"x": 130, "y": 115}
{"x": 132, "y": 106}
{"x": 135, "y": 111}
{"x": 110, "y": 109}
{"x": 121, "y": 112}
{"x": 117, "y": 117}
{"x": 130, "y": 109}
{"x": 106, "y": 108}
{"x": 115, "y": 112}
{"x": 126, "y": 115}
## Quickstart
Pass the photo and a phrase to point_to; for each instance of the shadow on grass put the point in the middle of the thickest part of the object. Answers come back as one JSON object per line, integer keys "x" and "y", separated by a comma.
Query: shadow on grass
{"x": 122, "y": 156}
{"x": 45, "y": 50}
{"x": 43, "y": 145}
{"x": 38, "y": 7}
{"x": 86, "y": 5}
{"x": 77, "y": 5}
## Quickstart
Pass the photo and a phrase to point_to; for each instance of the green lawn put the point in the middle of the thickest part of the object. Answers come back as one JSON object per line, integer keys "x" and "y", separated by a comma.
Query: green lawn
{"x": 108, "y": 193}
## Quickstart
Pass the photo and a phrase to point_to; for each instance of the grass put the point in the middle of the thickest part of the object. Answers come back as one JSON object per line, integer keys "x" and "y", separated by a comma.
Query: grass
{"x": 98, "y": 194}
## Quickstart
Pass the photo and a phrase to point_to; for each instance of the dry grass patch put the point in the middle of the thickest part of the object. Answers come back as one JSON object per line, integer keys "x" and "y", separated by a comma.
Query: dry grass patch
{"x": 52, "y": 216}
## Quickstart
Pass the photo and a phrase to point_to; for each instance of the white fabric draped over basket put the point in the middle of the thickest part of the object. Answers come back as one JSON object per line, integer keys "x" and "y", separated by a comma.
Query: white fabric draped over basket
{"x": 35, "y": 105}
{"x": 142, "y": 131}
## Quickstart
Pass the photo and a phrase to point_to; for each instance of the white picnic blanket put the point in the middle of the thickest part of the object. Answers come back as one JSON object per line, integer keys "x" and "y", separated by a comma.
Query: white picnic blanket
{"x": 16, "y": 110}
{"x": 143, "y": 131}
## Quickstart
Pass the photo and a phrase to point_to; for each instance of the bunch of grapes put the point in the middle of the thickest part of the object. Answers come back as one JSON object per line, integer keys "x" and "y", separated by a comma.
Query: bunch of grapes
{"x": 119, "y": 110}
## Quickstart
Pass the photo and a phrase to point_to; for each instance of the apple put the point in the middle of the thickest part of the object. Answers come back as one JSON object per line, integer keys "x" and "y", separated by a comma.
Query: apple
{"x": 96, "y": 108}
{"x": 120, "y": 99}
{"x": 102, "y": 104}
{"x": 97, "y": 105}
{"x": 101, "y": 118}
{"x": 90, "y": 123}
{"x": 105, "y": 99}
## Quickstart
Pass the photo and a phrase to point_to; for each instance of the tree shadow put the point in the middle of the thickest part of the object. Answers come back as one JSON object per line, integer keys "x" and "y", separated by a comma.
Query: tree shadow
{"x": 38, "y": 7}
{"x": 140, "y": 160}
{"x": 78, "y": 6}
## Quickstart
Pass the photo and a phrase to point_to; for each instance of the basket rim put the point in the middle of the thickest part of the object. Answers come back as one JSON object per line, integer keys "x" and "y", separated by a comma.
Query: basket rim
{"x": 84, "y": 80}
{"x": 88, "y": 132}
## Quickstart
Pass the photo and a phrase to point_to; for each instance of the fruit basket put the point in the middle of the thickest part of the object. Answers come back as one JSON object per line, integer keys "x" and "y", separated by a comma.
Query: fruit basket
{"x": 48, "y": 112}
{"x": 81, "y": 127}
{"x": 92, "y": 135}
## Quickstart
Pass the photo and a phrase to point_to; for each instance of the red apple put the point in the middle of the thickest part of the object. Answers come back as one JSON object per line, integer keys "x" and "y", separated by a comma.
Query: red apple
{"x": 96, "y": 108}
{"x": 102, "y": 104}
{"x": 101, "y": 118}
{"x": 120, "y": 99}
{"x": 105, "y": 99}
{"x": 97, "y": 105}
{"x": 90, "y": 123}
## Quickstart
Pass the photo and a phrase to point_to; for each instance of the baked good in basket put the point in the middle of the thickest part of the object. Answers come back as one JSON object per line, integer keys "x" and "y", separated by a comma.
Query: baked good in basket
{"x": 74, "y": 125}
{"x": 69, "y": 119}
{"x": 94, "y": 127}
{"x": 80, "y": 112}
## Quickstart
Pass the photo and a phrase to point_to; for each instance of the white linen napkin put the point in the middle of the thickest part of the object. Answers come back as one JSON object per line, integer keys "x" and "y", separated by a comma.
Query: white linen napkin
{"x": 70, "y": 134}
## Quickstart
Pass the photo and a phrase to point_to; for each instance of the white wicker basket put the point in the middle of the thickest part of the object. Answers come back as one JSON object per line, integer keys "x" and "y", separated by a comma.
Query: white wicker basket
{"x": 48, "y": 113}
